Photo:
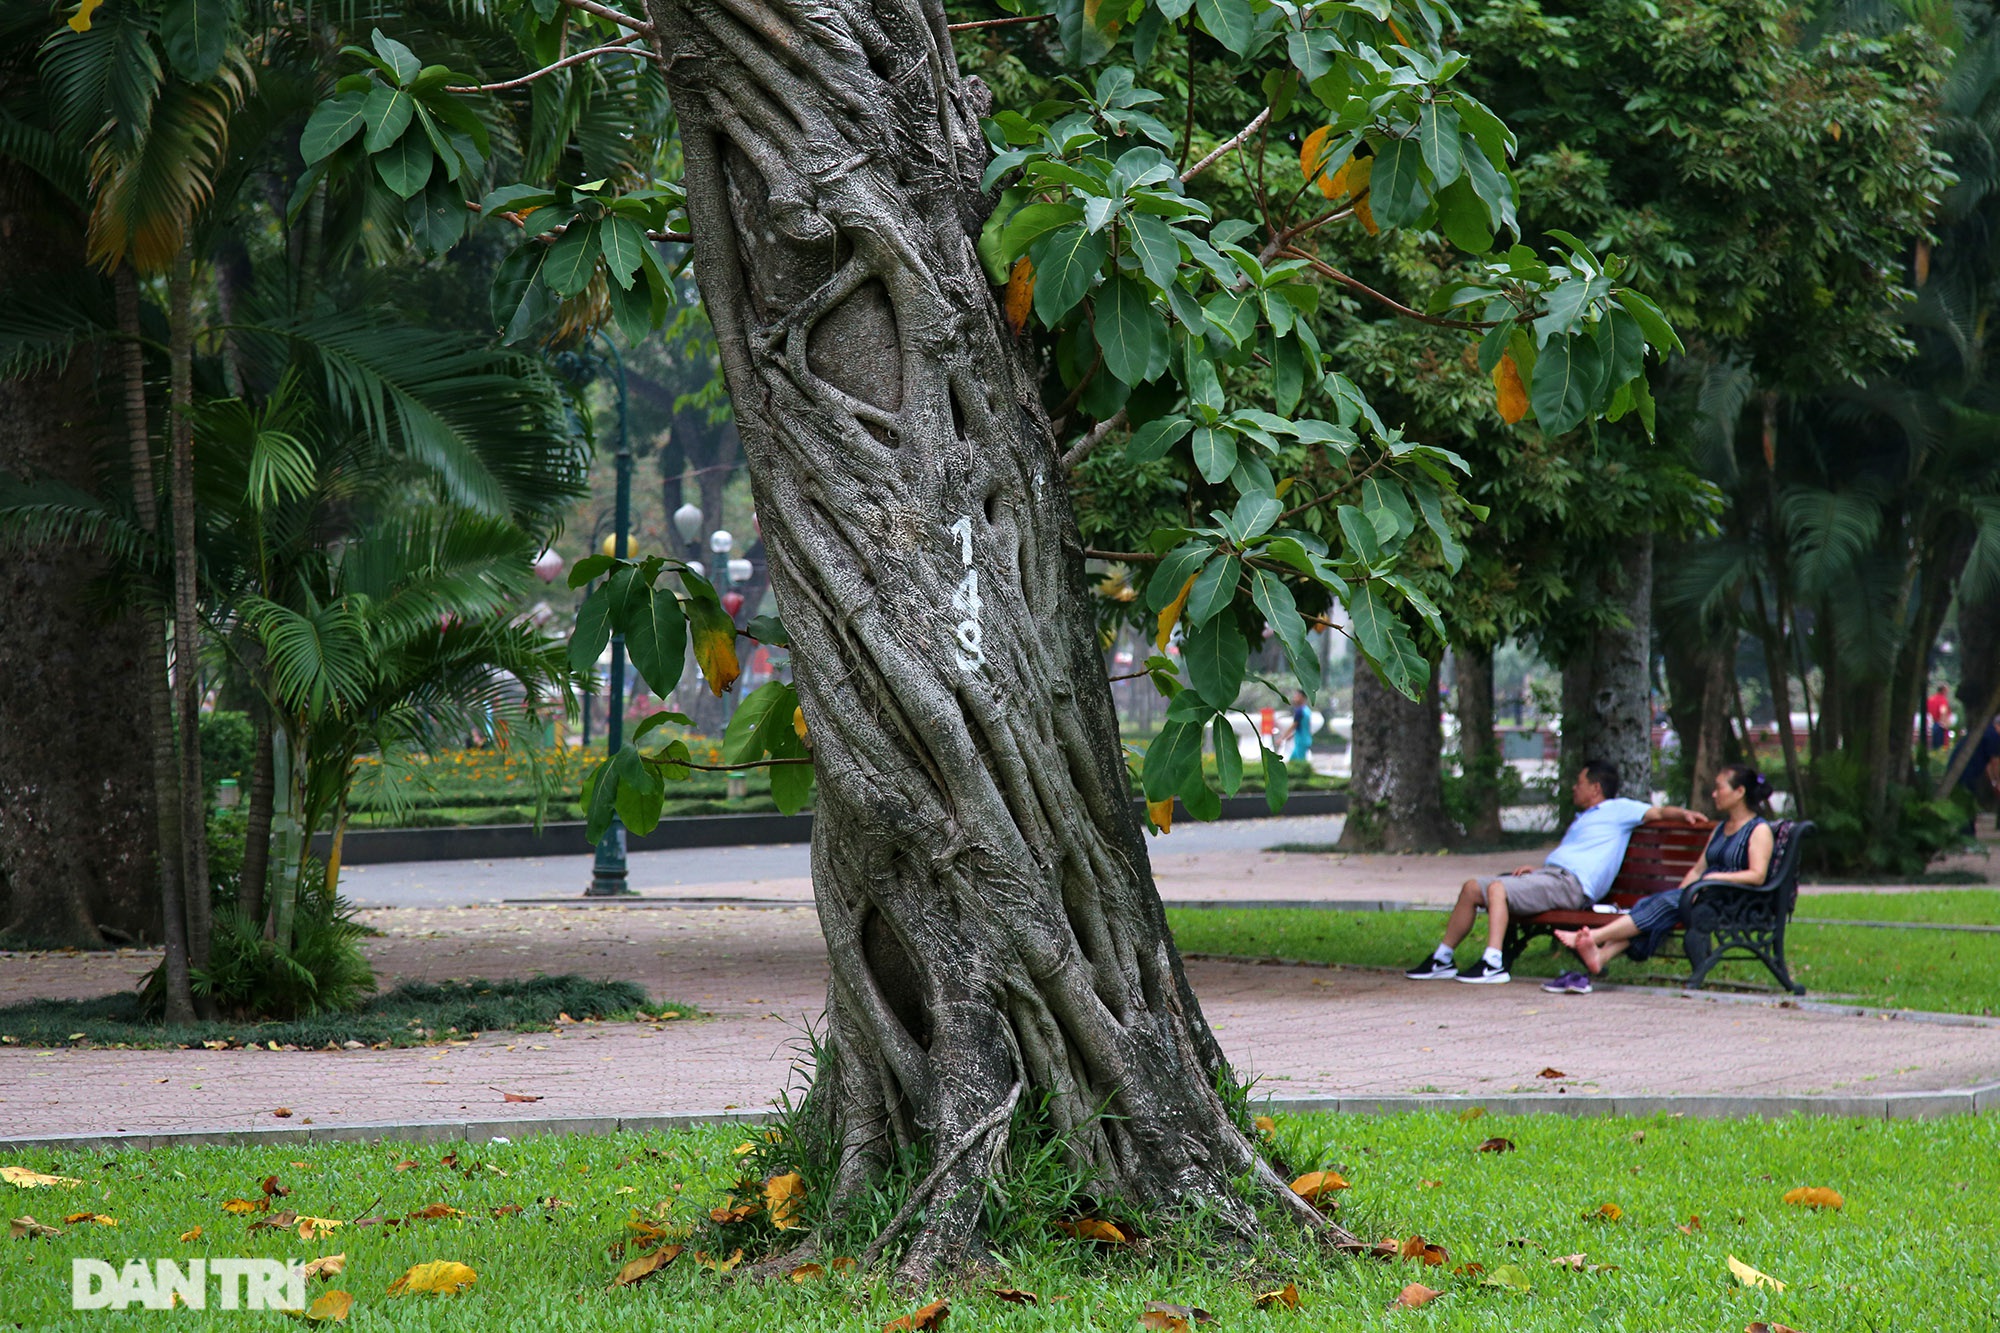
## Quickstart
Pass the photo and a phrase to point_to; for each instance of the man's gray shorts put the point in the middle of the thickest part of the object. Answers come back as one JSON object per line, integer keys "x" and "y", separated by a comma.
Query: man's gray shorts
{"x": 1546, "y": 890}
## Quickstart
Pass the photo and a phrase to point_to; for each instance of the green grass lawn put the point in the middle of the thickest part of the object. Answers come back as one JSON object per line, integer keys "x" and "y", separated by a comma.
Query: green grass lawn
{"x": 1939, "y": 971}
{"x": 1958, "y": 907}
{"x": 1911, "y": 1249}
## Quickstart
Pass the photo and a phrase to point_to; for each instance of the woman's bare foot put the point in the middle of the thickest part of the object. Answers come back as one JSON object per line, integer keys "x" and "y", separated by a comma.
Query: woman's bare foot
{"x": 1566, "y": 938}
{"x": 1586, "y": 949}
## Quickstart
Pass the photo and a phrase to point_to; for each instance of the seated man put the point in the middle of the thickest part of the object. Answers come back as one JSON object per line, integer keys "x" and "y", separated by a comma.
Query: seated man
{"x": 1578, "y": 874}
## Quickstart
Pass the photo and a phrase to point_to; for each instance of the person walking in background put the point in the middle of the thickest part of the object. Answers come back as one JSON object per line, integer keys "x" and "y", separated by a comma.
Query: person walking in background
{"x": 1298, "y": 746}
{"x": 1938, "y": 709}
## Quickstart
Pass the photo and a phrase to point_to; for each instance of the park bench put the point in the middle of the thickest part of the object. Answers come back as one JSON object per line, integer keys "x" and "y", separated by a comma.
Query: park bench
{"x": 1724, "y": 919}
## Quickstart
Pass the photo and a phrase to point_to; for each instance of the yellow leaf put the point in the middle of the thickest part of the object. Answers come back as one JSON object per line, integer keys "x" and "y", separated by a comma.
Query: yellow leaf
{"x": 1352, "y": 178}
{"x": 798, "y": 725}
{"x": 311, "y": 1228}
{"x": 1171, "y": 616}
{"x": 1605, "y": 1212}
{"x": 1414, "y": 1295}
{"x": 1367, "y": 216}
{"x": 707, "y": 1260}
{"x": 194, "y": 1234}
{"x": 1312, "y": 160}
{"x": 330, "y": 1308}
{"x": 1287, "y": 1296}
{"x": 28, "y": 1228}
{"x": 1092, "y": 1228}
{"x": 80, "y": 21}
{"x": 918, "y": 1320}
{"x": 714, "y": 644}
{"x": 1162, "y": 814}
{"x": 1815, "y": 1197}
{"x": 1512, "y": 395}
{"x": 99, "y": 1218}
{"x": 1020, "y": 297}
{"x": 1750, "y": 1277}
{"x": 1316, "y": 1185}
{"x": 807, "y": 1272}
{"x": 782, "y": 1197}
{"x": 743, "y": 1149}
{"x": 441, "y": 1276}
{"x": 22, "y": 1178}
{"x": 1264, "y": 1124}
{"x": 326, "y": 1267}
{"x": 646, "y": 1265}
{"x": 241, "y": 1206}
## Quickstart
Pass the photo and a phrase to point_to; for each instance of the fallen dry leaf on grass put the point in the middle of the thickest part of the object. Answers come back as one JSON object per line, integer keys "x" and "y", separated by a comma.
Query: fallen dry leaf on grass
{"x": 1316, "y": 1185}
{"x": 1287, "y": 1296}
{"x": 1412, "y": 1296}
{"x": 506, "y": 1210}
{"x": 241, "y": 1206}
{"x": 331, "y": 1307}
{"x": 1264, "y": 1124}
{"x": 1509, "y": 1276}
{"x": 440, "y": 1276}
{"x": 1605, "y": 1212}
{"x": 842, "y": 1265}
{"x": 807, "y": 1273}
{"x": 783, "y": 1196}
{"x": 272, "y": 1189}
{"x": 728, "y": 1214}
{"x": 646, "y": 1265}
{"x": 1581, "y": 1264}
{"x": 1430, "y": 1184}
{"x": 1416, "y": 1247}
{"x": 312, "y": 1228}
{"x": 1815, "y": 1196}
{"x": 1184, "y": 1314}
{"x": 99, "y": 1218}
{"x": 1693, "y": 1225}
{"x": 712, "y": 1263}
{"x": 1468, "y": 1270}
{"x": 22, "y": 1178}
{"x": 431, "y": 1212}
{"x": 275, "y": 1222}
{"x": 1471, "y": 1113}
{"x": 1761, "y": 1327}
{"x": 917, "y": 1320}
{"x": 1552, "y": 1072}
{"x": 326, "y": 1267}
{"x": 408, "y": 1164}
{"x": 1750, "y": 1277}
{"x": 1092, "y": 1228}
{"x": 1013, "y": 1297}
{"x": 27, "y": 1228}
{"x": 1497, "y": 1145}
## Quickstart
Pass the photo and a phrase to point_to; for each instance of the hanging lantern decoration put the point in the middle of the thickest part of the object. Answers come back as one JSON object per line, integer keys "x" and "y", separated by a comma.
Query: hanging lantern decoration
{"x": 732, "y": 602}
{"x": 548, "y": 566}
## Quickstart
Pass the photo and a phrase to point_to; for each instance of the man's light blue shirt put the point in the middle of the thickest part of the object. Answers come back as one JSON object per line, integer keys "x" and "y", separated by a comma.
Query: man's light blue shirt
{"x": 1595, "y": 843}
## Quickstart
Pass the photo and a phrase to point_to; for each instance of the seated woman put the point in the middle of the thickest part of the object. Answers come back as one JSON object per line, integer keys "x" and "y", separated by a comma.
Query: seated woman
{"x": 1738, "y": 853}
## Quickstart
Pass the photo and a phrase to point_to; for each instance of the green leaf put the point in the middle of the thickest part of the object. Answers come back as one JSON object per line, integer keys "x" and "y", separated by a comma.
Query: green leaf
{"x": 1199, "y": 802}
{"x": 196, "y": 34}
{"x": 640, "y": 793}
{"x": 1214, "y": 589}
{"x": 437, "y": 217}
{"x": 1131, "y": 331}
{"x": 1032, "y": 223}
{"x": 1433, "y": 511}
{"x": 1437, "y": 135}
{"x": 791, "y": 787}
{"x": 1182, "y": 563}
{"x": 1158, "y": 251}
{"x": 1383, "y": 638}
{"x": 1395, "y": 183}
{"x": 1364, "y": 542}
{"x": 1065, "y": 263}
{"x": 1228, "y": 21}
{"x": 1173, "y": 755}
{"x": 406, "y": 166}
{"x": 1566, "y": 373}
{"x": 656, "y": 639}
{"x": 572, "y": 259}
{"x": 1493, "y": 188}
{"x": 1277, "y": 778}
{"x": 388, "y": 112}
{"x": 1216, "y": 654}
{"x": 623, "y": 243}
{"x": 519, "y": 299}
{"x": 1228, "y": 756}
{"x": 1152, "y": 441}
{"x": 1214, "y": 453}
{"x": 769, "y": 630}
{"x": 588, "y": 568}
{"x": 592, "y": 634}
{"x": 1463, "y": 216}
{"x": 1659, "y": 333}
{"x": 751, "y": 730}
{"x": 399, "y": 57}
{"x": 1281, "y": 613}
{"x": 600, "y": 801}
{"x": 334, "y": 121}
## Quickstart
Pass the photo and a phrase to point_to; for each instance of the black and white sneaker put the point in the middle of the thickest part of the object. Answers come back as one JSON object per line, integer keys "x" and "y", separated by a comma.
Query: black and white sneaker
{"x": 1432, "y": 970}
{"x": 1483, "y": 973}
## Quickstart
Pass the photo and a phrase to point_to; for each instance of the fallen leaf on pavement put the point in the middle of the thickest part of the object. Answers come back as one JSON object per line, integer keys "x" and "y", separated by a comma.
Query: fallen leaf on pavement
{"x": 1497, "y": 1145}
{"x": 331, "y": 1307}
{"x": 1605, "y": 1212}
{"x": 283, "y": 1113}
{"x": 1750, "y": 1277}
{"x": 1092, "y": 1228}
{"x": 783, "y": 1196}
{"x": 917, "y": 1320}
{"x": 27, "y": 1228}
{"x": 23, "y": 1178}
{"x": 440, "y": 1276}
{"x": 1287, "y": 1296}
{"x": 1412, "y": 1296}
{"x": 433, "y": 1211}
{"x": 1316, "y": 1185}
{"x": 646, "y": 1265}
{"x": 326, "y": 1267}
{"x": 1551, "y": 1072}
{"x": 1013, "y": 1297}
{"x": 1815, "y": 1197}
{"x": 1509, "y": 1276}
{"x": 517, "y": 1097}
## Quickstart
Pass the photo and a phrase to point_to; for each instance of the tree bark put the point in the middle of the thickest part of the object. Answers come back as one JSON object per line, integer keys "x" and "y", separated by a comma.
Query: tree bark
{"x": 257, "y": 817}
{"x": 187, "y": 622}
{"x": 1395, "y": 796}
{"x": 995, "y": 935}
{"x": 76, "y": 851}
{"x": 1478, "y": 748}
{"x": 1607, "y": 689}
{"x": 159, "y": 695}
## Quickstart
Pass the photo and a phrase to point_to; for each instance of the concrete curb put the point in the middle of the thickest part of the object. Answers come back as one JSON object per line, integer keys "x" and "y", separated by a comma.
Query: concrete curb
{"x": 492, "y": 842}
{"x": 1882, "y": 1106}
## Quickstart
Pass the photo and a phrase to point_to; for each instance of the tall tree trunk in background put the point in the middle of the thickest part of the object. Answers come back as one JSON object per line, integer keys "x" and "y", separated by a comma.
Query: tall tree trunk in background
{"x": 159, "y": 694}
{"x": 261, "y": 801}
{"x": 76, "y": 840}
{"x": 995, "y": 935}
{"x": 1395, "y": 797}
{"x": 1698, "y": 674}
{"x": 1607, "y": 689}
{"x": 187, "y": 622}
{"x": 1478, "y": 748}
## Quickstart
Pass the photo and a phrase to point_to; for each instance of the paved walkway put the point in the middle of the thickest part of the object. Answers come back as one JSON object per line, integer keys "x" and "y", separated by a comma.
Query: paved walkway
{"x": 761, "y": 975}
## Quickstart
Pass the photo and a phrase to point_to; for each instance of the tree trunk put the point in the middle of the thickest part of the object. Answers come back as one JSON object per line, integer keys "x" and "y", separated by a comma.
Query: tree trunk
{"x": 1607, "y": 689}
{"x": 76, "y": 850}
{"x": 1395, "y": 796}
{"x": 187, "y": 623}
{"x": 159, "y": 697}
{"x": 257, "y": 817}
{"x": 1478, "y": 748}
{"x": 995, "y": 936}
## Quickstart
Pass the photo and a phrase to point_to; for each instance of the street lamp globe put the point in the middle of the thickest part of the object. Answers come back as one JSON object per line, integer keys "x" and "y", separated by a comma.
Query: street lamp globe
{"x": 687, "y": 521}
{"x": 739, "y": 570}
{"x": 720, "y": 541}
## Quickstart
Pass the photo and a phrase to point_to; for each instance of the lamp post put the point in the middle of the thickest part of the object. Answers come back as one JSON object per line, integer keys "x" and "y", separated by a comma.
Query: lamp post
{"x": 609, "y": 872}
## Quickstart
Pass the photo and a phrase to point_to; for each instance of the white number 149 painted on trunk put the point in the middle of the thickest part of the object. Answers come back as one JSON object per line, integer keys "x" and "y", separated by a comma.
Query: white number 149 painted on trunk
{"x": 965, "y": 601}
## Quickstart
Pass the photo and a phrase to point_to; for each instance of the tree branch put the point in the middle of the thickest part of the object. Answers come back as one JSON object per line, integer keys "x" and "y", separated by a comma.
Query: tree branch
{"x": 1233, "y": 142}
{"x": 606, "y": 12}
{"x": 616, "y": 48}
{"x": 1324, "y": 269}
{"x": 730, "y": 768}
{"x": 1091, "y": 438}
{"x": 519, "y": 221}
{"x": 998, "y": 23}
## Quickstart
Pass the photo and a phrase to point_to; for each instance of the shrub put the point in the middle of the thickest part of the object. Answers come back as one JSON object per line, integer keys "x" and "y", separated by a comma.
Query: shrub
{"x": 1917, "y": 831}
{"x": 227, "y": 742}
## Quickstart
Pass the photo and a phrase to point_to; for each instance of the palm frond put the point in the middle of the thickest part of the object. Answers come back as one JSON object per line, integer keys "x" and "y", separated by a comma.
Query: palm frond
{"x": 319, "y": 656}
{"x": 45, "y": 318}
{"x": 146, "y": 189}
{"x": 1829, "y": 532}
{"x": 35, "y": 514}
{"x": 38, "y": 149}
